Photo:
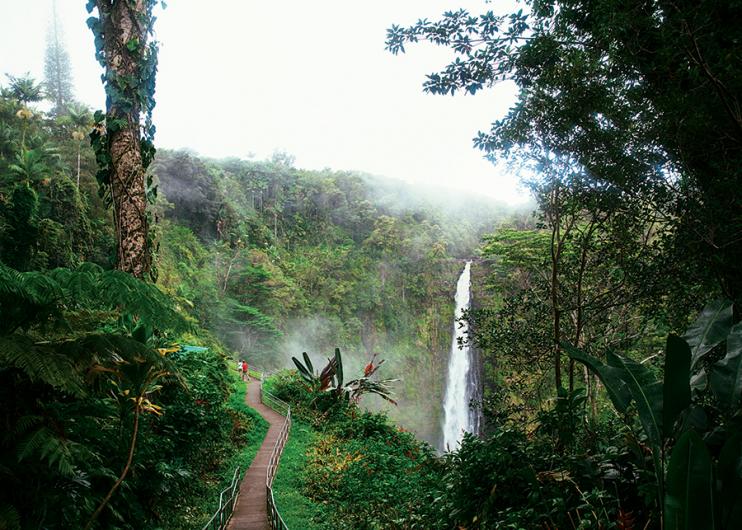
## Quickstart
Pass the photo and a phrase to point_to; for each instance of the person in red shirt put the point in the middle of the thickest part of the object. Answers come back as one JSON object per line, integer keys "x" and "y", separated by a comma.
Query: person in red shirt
{"x": 244, "y": 370}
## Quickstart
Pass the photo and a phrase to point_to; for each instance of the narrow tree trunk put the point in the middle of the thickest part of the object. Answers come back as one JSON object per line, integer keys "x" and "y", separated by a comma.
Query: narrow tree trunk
{"x": 555, "y": 309}
{"x": 132, "y": 447}
{"x": 579, "y": 318}
{"x": 79, "y": 146}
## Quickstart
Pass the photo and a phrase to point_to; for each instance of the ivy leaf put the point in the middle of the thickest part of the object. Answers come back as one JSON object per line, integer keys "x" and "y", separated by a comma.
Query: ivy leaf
{"x": 133, "y": 44}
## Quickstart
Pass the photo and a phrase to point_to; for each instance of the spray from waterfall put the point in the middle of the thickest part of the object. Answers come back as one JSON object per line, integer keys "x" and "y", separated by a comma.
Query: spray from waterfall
{"x": 460, "y": 382}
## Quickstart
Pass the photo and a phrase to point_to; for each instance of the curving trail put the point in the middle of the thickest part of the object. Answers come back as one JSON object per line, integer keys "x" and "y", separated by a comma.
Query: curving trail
{"x": 250, "y": 512}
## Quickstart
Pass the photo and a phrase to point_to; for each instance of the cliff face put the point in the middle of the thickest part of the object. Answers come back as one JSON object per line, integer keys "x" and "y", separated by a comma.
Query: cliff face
{"x": 481, "y": 297}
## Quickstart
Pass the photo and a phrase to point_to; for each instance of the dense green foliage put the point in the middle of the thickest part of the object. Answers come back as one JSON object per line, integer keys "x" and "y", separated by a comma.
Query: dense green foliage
{"x": 106, "y": 423}
{"x": 625, "y": 126}
{"x": 671, "y": 453}
{"x": 359, "y": 471}
{"x": 267, "y": 257}
{"x": 640, "y": 94}
{"x": 689, "y": 418}
{"x": 88, "y": 377}
{"x": 270, "y": 258}
{"x": 628, "y": 133}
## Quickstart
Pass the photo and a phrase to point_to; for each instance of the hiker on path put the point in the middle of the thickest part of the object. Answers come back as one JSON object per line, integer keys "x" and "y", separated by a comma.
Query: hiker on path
{"x": 244, "y": 370}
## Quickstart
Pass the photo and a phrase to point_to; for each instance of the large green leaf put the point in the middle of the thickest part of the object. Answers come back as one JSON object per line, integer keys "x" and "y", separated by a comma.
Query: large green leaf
{"x": 730, "y": 479}
{"x": 308, "y": 362}
{"x": 689, "y": 499}
{"x": 338, "y": 368}
{"x": 710, "y": 328}
{"x": 611, "y": 377}
{"x": 676, "y": 386}
{"x": 725, "y": 377}
{"x": 646, "y": 391}
{"x": 303, "y": 372}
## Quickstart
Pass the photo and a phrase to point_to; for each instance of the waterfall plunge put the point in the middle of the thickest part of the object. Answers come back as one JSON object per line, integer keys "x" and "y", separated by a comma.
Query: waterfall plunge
{"x": 460, "y": 383}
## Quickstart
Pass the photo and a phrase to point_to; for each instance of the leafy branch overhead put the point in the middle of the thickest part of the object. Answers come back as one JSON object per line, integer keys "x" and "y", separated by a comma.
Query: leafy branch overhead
{"x": 609, "y": 85}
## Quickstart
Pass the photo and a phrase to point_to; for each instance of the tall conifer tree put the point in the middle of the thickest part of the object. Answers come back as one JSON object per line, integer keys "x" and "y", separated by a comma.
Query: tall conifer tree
{"x": 57, "y": 72}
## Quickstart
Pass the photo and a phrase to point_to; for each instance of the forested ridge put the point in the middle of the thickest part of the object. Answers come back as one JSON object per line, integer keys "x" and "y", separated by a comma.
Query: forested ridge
{"x": 277, "y": 260}
{"x": 604, "y": 323}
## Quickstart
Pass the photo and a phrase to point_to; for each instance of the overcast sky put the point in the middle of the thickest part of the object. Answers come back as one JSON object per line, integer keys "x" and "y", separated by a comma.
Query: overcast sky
{"x": 246, "y": 78}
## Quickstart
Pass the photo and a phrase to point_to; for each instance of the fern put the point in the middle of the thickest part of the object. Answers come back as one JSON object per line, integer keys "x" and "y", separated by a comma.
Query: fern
{"x": 35, "y": 298}
{"x": 43, "y": 445}
{"x": 76, "y": 338}
{"x": 40, "y": 363}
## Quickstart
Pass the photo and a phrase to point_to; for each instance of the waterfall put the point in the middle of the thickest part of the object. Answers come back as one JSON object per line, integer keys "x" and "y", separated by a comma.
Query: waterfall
{"x": 461, "y": 380}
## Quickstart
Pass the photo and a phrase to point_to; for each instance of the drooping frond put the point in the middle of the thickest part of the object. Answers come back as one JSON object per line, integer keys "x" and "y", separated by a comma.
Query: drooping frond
{"x": 26, "y": 299}
{"x": 41, "y": 362}
{"x": 364, "y": 385}
{"x": 40, "y": 298}
{"x": 71, "y": 364}
{"x": 42, "y": 444}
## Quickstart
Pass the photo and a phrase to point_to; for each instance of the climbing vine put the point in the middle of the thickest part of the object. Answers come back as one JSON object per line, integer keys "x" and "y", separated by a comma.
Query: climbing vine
{"x": 126, "y": 50}
{"x": 125, "y": 93}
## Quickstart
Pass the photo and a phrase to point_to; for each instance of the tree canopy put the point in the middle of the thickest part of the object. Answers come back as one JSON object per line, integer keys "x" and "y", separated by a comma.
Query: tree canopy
{"x": 644, "y": 96}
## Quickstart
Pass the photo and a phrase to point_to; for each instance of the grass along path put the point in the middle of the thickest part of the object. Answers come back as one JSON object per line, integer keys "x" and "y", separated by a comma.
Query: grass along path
{"x": 298, "y": 512}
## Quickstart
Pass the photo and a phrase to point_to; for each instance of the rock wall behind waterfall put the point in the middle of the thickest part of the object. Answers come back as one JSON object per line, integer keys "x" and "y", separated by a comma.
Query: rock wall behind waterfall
{"x": 481, "y": 297}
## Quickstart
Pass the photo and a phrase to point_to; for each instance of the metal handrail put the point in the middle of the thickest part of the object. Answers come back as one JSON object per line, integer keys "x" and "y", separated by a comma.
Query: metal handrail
{"x": 275, "y": 520}
{"x": 260, "y": 374}
{"x": 223, "y": 514}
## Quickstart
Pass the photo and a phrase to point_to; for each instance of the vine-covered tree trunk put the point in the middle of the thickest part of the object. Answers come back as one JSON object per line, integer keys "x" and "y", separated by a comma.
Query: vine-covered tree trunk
{"x": 123, "y": 28}
{"x": 129, "y": 203}
{"x": 120, "y": 26}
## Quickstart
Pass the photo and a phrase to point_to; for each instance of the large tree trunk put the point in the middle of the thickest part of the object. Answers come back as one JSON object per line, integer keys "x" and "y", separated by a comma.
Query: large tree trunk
{"x": 121, "y": 25}
{"x": 130, "y": 203}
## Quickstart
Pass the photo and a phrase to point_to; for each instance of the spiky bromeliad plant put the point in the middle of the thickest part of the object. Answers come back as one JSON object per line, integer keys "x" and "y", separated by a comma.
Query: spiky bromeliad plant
{"x": 331, "y": 379}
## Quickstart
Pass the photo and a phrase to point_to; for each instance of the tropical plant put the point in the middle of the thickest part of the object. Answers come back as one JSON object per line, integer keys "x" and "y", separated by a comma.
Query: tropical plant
{"x": 80, "y": 120}
{"x": 24, "y": 89}
{"x": 78, "y": 338}
{"x": 30, "y": 165}
{"x": 690, "y": 418}
{"x": 331, "y": 379}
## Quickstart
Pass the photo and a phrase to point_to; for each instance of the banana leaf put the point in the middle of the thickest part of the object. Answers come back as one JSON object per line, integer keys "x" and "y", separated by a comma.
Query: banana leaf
{"x": 689, "y": 499}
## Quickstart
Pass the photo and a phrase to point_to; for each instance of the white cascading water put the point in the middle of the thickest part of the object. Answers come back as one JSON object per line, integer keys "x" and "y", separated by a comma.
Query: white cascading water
{"x": 457, "y": 417}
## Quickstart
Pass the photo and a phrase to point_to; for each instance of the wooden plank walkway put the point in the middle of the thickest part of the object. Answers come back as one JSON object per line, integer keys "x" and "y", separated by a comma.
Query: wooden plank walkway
{"x": 250, "y": 512}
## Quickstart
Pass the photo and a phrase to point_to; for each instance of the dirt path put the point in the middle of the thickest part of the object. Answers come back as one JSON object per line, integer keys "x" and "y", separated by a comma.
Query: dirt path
{"x": 250, "y": 513}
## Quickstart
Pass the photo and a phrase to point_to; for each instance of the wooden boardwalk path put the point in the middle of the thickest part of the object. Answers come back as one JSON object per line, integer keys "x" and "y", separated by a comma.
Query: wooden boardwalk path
{"x": 250, "y": 512}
